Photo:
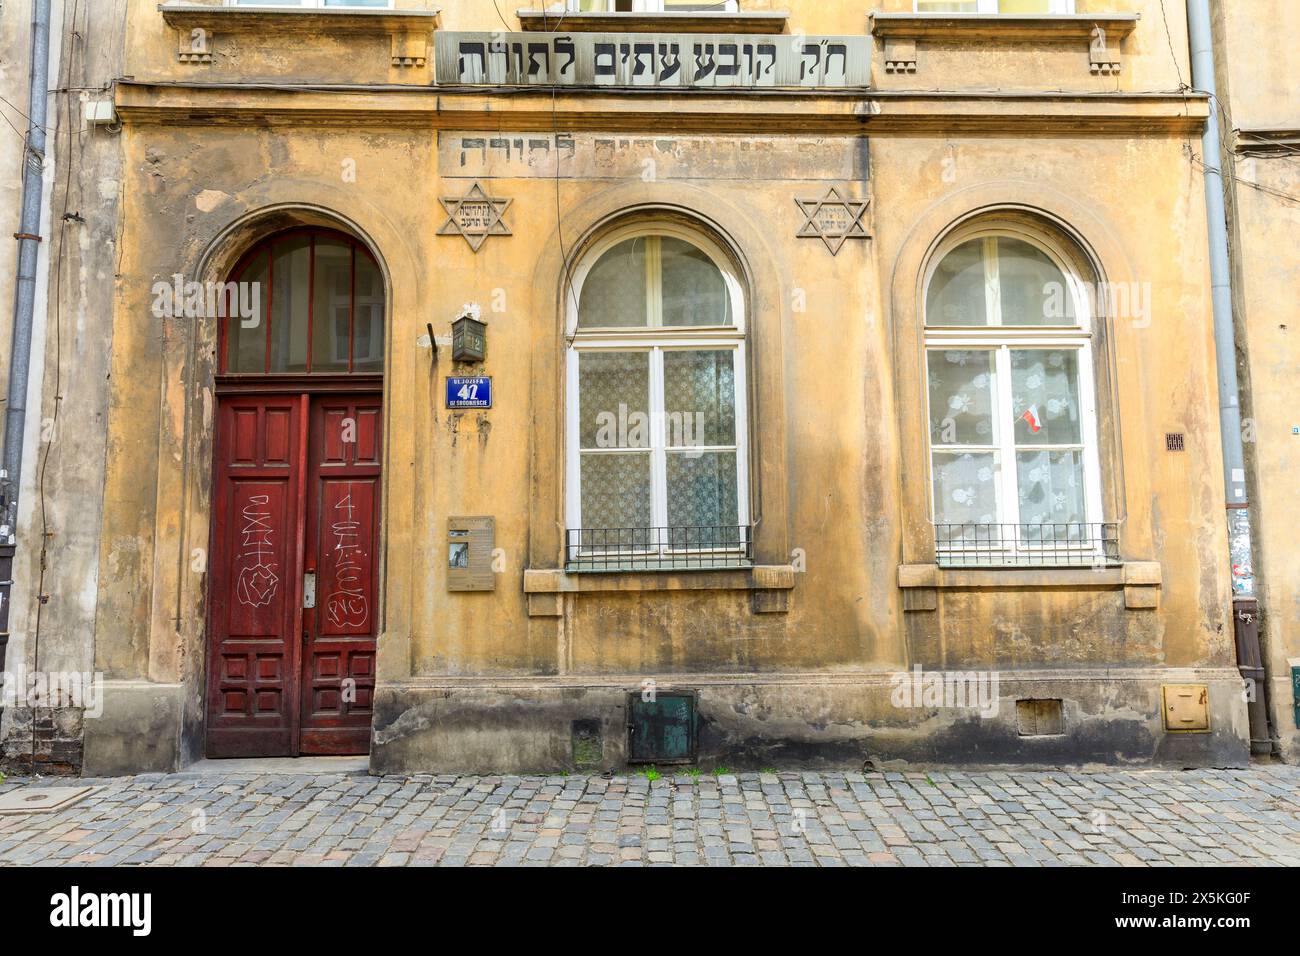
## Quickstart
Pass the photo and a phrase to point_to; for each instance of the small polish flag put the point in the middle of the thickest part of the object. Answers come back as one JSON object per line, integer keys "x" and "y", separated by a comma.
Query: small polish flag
{"x": 1031, "y": 418}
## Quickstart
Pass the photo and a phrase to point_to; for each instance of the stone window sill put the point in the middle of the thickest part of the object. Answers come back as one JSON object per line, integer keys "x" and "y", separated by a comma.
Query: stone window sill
{"x": 769, "y": 585}
{"x": 197, "y": 25}
{"x": 766, "y": 21}
{"x": 295, "y": 19}
{"x": 901, "y": 32}
{"x": 921, "y": 583}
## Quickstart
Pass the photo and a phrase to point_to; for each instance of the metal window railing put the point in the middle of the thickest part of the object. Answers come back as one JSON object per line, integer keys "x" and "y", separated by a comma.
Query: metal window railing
{"x": 674, "y": 548}
{"x": 1050, "y": 545}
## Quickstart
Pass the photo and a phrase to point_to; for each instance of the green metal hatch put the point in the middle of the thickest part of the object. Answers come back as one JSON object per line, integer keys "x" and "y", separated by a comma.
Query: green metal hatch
{"x": 661, "y": 730}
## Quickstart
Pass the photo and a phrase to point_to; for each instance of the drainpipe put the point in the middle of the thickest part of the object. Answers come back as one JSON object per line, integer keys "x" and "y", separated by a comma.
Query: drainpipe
{"x": 1245, "y": 607}
{"x": 28, "y": 236}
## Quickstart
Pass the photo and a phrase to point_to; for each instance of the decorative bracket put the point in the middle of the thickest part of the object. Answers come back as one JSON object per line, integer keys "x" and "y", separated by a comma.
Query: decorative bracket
{"x": 900, "y": 55}
{"x": 194, "y": 47}
{"x": 410, "y": 50}
{"x": 1103, "y": 60}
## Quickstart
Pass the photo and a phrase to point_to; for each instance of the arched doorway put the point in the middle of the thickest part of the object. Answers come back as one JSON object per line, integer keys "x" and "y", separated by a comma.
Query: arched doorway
{"x": 293, "y": 586}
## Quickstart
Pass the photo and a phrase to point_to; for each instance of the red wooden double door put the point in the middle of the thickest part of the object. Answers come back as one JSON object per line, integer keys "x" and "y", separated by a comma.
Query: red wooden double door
{"x": 294, "y": 575}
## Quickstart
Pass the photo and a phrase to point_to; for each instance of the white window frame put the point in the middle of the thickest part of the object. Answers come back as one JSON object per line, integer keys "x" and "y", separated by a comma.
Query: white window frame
{"x": 1001, "y": 339}
{"x": 658, "y": 6}
{"x": 306, "y": 4}
{"x": 990, "y": 7}
{"x": 656, "y": 340}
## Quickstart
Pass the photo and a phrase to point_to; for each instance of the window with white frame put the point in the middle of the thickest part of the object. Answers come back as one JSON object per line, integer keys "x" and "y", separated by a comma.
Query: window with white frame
{"x": 995, "y": 6}
{"x": 657, "y": 466}
{"x": 1011, "y": 399}
{"x": 653, "y": 6}
{"x": 313, "y": 4}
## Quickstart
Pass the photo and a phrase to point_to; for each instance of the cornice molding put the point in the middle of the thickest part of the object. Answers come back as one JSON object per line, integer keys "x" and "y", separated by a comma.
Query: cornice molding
{"x": 1267, "y": 141}
{"x": 789, "y": 112}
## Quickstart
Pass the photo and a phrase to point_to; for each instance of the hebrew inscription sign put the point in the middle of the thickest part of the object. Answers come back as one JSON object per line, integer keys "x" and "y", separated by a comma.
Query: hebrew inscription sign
{"x": 659, "y": 60}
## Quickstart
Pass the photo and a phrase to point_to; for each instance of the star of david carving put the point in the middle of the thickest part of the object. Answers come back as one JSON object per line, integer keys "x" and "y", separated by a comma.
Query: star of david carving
{"x": 833, "y": 218}
{"x": 475, "y": 216}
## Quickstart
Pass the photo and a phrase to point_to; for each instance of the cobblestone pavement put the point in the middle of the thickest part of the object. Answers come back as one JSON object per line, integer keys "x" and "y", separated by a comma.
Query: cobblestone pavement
{"x": 1132, "y": 818}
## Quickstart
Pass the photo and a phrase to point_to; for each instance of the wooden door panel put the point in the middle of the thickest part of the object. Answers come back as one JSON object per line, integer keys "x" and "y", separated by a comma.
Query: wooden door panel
{"x": 252, "y": 672}
{"x": 338, "y": 667}
{"x": 345, "y": 566}
{"x": 297, "y": 488}
{"x": 366, "y": 451}
{"x": 255, "y": 573}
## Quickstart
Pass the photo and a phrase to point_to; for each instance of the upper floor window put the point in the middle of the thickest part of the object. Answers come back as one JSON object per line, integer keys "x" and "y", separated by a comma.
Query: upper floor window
{"x": 653, "y": 6}
{"x": 995, "y": 6}
{"x": 320, "y": 307}
{"x": 1013, "y": 431}
{"x": 657, "y": 467}
{"x": 314, "y": 4}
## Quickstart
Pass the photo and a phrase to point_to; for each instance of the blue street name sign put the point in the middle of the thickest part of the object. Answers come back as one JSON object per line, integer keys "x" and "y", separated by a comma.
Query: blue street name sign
{"x": 472, "y": 392}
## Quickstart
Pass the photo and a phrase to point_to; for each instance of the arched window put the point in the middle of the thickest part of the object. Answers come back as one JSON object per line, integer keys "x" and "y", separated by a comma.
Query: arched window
{"x": 319, "y": 297}
{"x": 657, "y": 467}
{"x": 1011, "y": 397}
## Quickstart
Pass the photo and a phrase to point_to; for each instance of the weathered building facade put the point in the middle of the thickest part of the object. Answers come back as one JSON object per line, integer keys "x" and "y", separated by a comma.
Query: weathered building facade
{"x": 1258, "y": 74}
{"x": 796, "y": 384}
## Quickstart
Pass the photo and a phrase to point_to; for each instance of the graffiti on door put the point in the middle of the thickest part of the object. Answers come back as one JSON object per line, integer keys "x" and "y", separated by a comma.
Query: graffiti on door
{"x": 346, "y": 606}
{"x": 258, "y": 580}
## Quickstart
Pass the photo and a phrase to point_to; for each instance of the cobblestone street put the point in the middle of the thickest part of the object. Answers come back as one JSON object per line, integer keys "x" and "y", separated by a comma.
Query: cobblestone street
{"x": 1053, "y": 818}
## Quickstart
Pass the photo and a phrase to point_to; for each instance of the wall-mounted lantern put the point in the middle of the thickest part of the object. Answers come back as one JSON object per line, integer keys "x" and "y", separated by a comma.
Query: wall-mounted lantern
{"x": 468, "y": 337}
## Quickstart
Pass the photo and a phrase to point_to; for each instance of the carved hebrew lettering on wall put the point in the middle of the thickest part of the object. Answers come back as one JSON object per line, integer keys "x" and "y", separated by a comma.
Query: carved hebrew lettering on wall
{"x": 479, "y": 155}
